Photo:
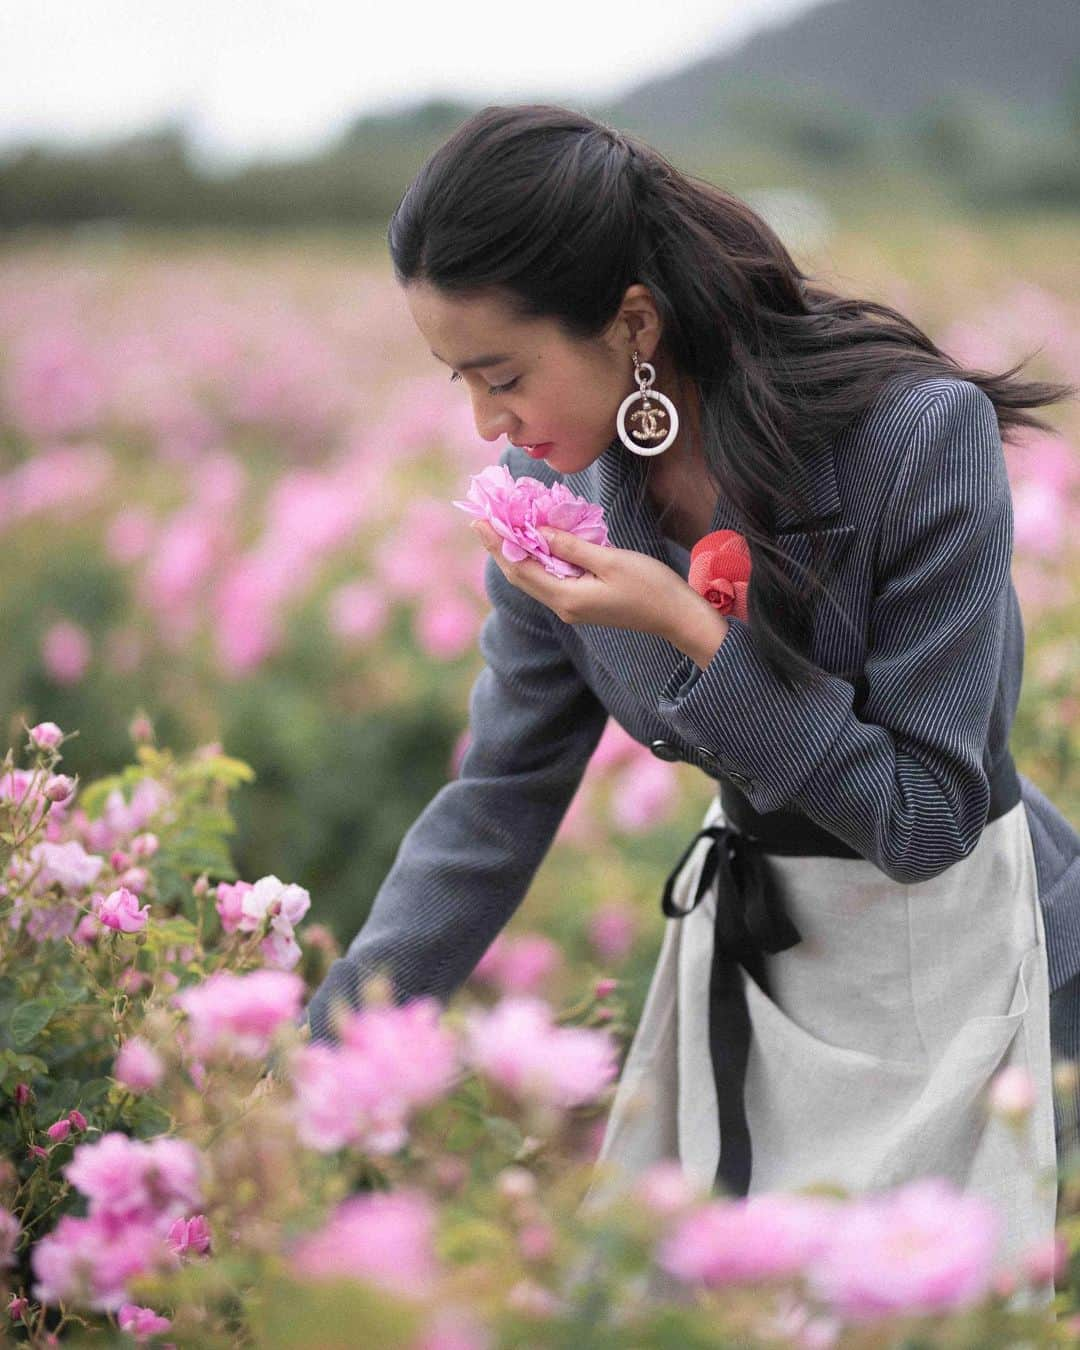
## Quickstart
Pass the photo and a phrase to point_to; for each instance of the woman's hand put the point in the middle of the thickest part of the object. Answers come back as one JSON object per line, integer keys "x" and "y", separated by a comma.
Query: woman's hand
{"x": 620, "y": 588}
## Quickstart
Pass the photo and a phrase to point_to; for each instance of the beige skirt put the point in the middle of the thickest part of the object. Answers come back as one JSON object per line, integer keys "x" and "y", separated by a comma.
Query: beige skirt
{"x": 871, "y": 1056}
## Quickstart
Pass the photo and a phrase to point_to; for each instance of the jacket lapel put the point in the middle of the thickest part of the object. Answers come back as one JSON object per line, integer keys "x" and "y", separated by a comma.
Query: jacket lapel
{"x": 644, "y": 662}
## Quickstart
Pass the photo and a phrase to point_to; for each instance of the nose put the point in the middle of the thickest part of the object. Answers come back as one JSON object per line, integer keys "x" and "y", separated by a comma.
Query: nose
{"x": 490, "y": 425}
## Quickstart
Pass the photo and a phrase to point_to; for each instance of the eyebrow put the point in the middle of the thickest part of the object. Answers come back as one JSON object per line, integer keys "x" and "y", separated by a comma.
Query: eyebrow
{"x": 476, "y": 362}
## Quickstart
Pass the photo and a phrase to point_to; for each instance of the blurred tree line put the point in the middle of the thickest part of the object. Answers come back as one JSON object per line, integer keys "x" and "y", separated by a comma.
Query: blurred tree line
{"x": 973, "y": 149}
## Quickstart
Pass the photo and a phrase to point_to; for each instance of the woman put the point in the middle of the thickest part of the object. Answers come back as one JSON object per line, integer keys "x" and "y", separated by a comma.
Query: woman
{"x": 876, "y": 910}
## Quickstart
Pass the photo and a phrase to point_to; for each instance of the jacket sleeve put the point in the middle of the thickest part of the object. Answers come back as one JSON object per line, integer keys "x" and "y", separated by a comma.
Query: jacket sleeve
{"x": 465, "y": 864}
{"x": 903, "y": 781}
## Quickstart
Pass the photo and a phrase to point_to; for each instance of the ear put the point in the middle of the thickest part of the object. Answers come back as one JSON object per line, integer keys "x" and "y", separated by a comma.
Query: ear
{"x": 639, "y": 320}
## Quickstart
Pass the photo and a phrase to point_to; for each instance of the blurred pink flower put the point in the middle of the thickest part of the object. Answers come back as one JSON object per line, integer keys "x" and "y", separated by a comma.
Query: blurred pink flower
{"x": 88, "y": 1262}
{"x": 520, "y": 964}
{"x": 536, "y": 1241}
{"x": 644, "y": 794}
{"x": 1045, "y": 1260}
{"x": 137, "y": 1180}
{"x": 924, "y": 1248}
{"x": 612, "y": 928}
{"x": 184, "y": 557}
{"x": 129, "y": 535}
{"x": 614, "y": 747}
{"x": 580, "y": 825}
{"x": 54, "y": 383}
{"x": 64, "y": 482}
{"x": 759, "y": 1237}
{"x": 247, "y": 612}
{"x": 138, "y": 1065}
{"x": 455, "y": 1328}
{"x": 52, "y": 922}
{"x": 65, "y": 651}
{"x": 358, "y": 611}
{"x": 66, "y": 865}
{"x": 390, "y": 1061}
{"x": 517, "y": 509}
{"x": 1013, "y": 1092}
{"x": 238, "y": 1014}
{"x": 141, "y": 1323}
{"x": 385, "y": 1238}
{"x": 9, "y": 1235}
{"x": 665, "y": 1189}
{"x": 517, "y": 1045}
{"x": 1039, "y": 517}
{"x": 445, "y": 625}
{"x": 120, "y": 818}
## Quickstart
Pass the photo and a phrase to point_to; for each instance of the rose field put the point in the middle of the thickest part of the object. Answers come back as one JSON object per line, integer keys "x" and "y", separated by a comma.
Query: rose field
{"x": 240, "y": 618}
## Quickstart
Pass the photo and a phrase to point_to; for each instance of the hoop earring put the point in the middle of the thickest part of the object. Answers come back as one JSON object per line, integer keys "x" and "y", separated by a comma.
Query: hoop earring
{"x": 649, "y": 417}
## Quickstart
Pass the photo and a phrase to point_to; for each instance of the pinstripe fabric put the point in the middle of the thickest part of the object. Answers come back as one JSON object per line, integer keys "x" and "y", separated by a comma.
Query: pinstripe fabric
{"x": 923, "y": 654}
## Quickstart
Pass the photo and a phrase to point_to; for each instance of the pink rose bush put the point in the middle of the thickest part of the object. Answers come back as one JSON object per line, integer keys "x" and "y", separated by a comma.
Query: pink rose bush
{"x": 420, "y": 1173}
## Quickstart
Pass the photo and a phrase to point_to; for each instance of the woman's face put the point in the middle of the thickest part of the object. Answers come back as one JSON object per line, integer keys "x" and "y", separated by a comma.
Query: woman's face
{"x": 527, "y": 380}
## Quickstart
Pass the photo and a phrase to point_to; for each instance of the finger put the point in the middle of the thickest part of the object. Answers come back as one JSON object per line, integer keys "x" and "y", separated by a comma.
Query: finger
{"x": 572, "y": 548}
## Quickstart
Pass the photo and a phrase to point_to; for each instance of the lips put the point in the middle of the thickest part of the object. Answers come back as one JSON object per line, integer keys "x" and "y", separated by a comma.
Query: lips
{"x": 538, "y": 451}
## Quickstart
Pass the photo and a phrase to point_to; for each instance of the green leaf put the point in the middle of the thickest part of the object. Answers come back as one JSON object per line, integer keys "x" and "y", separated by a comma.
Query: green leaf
{"x": 29, "y": 1020}
{"x": 222, "y": 769}
{"x": 148, "y": 1119}
{"x": 175, "y": 931}
{"x": 505, "y": 1134}
{"x": 95, "y": 1091}
{"x": 16, "y": 1068}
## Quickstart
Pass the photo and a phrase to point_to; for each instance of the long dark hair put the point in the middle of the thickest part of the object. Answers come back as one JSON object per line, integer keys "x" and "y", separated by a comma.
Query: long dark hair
{"x": 560, "y": 213}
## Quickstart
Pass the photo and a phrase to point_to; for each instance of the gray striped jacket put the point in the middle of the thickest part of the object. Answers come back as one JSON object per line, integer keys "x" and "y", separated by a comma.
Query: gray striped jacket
{"x": 890, "y": 753}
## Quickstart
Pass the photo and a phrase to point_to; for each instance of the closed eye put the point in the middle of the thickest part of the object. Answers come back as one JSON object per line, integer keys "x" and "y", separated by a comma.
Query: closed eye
{"x": 492, "y": 388}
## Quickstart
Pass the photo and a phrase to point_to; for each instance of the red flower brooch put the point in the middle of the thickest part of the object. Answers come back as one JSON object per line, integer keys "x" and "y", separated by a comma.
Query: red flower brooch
{"x": 720, "y": 571}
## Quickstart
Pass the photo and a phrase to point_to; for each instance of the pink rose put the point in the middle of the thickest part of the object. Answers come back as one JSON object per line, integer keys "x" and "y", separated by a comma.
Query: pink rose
{"x": 924, "y": 1248}
{"x": 239, "y": 1013}
{"x": 758, "y": 1237}
{"x": 518, "y": 509}
{"x": 46, "y": 735}
{"x": 120, "y": 911}
{"x": 190, "y": 1236}
{"x": 229, "y": 903}
{"x": 138, "y": 1065}
{"x": 386, "y": 1239}
{"x": 517, "y": 1045}
{"x": 142, "y": 1323}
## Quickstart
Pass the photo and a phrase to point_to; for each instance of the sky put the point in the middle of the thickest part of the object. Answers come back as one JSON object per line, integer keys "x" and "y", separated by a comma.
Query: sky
{"x": 267, "y": 78}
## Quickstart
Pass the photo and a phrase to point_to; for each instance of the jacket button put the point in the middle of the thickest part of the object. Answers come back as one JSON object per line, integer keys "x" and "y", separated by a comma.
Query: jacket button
{"x": 739, "y": 778}
{"x": 707, "y": 755}
{"x": 664, "y": 750}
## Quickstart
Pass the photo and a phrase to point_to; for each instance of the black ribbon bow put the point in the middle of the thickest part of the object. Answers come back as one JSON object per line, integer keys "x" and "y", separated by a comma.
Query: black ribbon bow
{"x": 750, "y": 920}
